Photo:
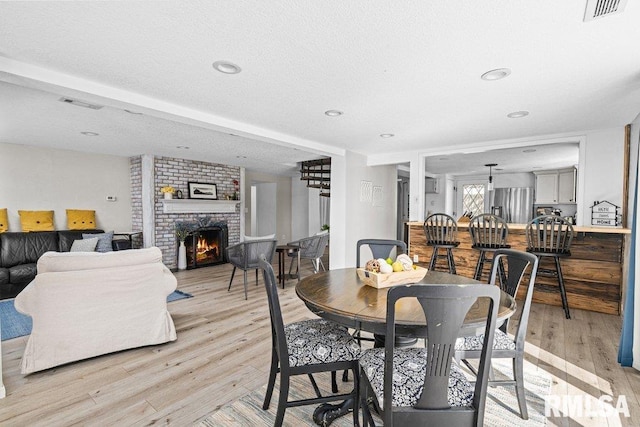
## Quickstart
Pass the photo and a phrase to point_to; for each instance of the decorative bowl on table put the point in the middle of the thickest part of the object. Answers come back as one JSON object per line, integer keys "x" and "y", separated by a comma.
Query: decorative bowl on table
{"x": 385, "y": 280}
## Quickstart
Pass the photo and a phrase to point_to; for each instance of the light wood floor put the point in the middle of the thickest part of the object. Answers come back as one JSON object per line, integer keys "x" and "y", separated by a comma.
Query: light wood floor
{"x": 223, "y": 353}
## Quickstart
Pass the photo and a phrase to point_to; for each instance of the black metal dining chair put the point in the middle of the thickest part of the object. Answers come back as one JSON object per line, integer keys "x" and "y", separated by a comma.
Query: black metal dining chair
{"x": 488, "y": 234}
{"x": 441, "y": 231}
{"x": 380, "y": 248}
{"x": 515, "y": 265}
{"x": 550, "y": 236}
{"x": 305, "y": 348}
{"x": 425, "y": 386}
{"x": 245, "y": 256}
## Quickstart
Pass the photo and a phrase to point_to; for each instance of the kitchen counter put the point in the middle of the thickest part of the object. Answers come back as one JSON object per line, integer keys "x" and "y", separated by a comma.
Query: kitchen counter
{"x": 593, "y": 274}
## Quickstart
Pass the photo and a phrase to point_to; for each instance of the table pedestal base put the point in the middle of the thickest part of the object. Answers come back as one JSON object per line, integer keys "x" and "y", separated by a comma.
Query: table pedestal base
{"x": 326, "y": 413}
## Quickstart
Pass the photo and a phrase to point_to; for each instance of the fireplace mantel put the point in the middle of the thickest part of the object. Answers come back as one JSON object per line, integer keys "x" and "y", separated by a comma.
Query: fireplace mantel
{"x": 198, "y": 206}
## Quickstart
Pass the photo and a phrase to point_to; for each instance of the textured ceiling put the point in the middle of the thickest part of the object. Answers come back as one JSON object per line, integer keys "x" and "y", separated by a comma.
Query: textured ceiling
{"x": 410, "y": 68}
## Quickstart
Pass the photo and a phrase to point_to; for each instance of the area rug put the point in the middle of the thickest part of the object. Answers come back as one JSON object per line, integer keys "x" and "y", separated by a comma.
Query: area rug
{"x": 248, "y": 409}
{"x": 14, "y": 324}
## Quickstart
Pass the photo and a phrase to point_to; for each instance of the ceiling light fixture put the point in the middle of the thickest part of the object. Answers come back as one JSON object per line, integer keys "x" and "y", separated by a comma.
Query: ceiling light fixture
{"x": 226, "y": 67}
{"x": 529, "y": 150}
{"x": 90, "y": 133}
{"x": 518, "y": 114}
{"x": 182, "y": 147}
{"x": 133, "y": 112}
{"x": 241, "y": 157}
{"x": 490, "y": 184}
{"x": 497, "y": 74}
{"x": 333, "y": 113}
{"x": 386, "y": 135}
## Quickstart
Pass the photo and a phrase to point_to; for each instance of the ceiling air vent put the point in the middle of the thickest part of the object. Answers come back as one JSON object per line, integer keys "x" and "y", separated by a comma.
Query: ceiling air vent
{"x": 601, "y": 8}
{"x": 79, "y": 103}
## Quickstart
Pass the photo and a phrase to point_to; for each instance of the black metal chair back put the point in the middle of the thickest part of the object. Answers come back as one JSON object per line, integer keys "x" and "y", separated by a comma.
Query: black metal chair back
{"x": 445, "y": 308}
{"x": 380, "y": 248}
{"x": 515, "y": 264}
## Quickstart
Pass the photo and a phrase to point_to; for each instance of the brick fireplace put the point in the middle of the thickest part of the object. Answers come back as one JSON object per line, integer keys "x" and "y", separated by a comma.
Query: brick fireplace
{"x": 175, "y": 172}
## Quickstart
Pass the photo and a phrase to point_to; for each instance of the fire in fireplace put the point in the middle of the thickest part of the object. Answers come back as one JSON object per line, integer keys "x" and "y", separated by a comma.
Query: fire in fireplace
{"x": 206, "y": 246}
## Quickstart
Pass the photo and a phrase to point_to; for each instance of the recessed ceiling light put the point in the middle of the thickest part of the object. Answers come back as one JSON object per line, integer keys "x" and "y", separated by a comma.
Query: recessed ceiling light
{"x": 529, "y": 150}
{"x": 226, "y": 67}
{"x": 333, "y": 113}
{"x": 133, "y": 112}
{"x": 182, "y": 147}
{"x": 386, "y": 135}
{"x": 518, "y": 114}
{"x": 497, "y": 74}
{"x": 241, "y": 157}
{"x": 90, "y": 133}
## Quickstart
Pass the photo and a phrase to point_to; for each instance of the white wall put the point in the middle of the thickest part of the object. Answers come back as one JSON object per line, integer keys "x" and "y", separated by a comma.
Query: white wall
{"x": 282, "y": 200}
{"x": 266, "y": 197}
{"x": 361, "y": 218}
{"x": 299, "y": 209}
{"x": 33, "y": 178}
{"x": 603, "y": 165}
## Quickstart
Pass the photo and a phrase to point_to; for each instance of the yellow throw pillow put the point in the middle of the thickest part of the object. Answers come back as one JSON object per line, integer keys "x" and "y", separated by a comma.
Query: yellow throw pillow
{"x": 4, "y": 220}
{"x": 78, "y": 219}
{"x": 36, "y": 220}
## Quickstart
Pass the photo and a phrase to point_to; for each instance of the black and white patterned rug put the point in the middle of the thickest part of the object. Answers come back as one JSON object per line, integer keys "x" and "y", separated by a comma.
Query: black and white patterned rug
{"x": 501, "y": 409}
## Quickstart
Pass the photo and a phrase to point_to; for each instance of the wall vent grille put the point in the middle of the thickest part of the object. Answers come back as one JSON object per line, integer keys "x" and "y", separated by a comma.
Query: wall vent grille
{"x": 601, "y": 8}
{"x": 79, "y": 103}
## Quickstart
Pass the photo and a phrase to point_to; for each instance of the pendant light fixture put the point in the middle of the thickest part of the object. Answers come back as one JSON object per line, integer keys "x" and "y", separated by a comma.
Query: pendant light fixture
{"x": 490, "y": 185}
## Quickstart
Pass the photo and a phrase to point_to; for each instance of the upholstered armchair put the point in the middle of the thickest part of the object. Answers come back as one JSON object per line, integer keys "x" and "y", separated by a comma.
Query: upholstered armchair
{"x": 246, "y": 256}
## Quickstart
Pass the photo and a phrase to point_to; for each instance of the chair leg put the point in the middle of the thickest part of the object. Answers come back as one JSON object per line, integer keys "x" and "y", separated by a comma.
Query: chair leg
{"x": 245, "y": 284}
{"x": 256, "y": 277}
{"x": 452, "y": 263}
{"x": 563, "y": 293}
{"x": 272, "y": 379}
{"x": 479, "y": 266}
{"x": 282, "y": 399}
{"x": 434, "y": 257}
{"x": 334, "y": 382}
{"x": 232, "y": 273}
{"x": 518, "y": 376}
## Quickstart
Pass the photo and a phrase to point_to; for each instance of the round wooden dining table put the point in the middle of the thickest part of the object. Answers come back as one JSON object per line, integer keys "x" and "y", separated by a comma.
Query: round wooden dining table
{"x": 341, "y": 296}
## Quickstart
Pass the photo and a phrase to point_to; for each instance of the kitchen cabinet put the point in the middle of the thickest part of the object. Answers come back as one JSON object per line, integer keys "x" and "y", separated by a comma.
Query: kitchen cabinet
{"x": 567, "y": 186}
{"x": 547, "y": 188}
{"x": 556, "y": 187}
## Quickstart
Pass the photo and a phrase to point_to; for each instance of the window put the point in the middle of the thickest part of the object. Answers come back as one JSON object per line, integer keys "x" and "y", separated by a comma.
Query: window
{"x": 473, "y": 198}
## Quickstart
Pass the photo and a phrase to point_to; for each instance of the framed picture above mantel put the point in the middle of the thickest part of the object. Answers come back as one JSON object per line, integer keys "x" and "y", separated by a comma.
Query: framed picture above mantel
{"x": 201, "y": 190}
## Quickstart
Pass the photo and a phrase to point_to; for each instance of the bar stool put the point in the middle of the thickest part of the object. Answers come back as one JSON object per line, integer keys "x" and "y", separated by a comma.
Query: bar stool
{"x": 441, "y": 231}
{"x": 488, "y": 234}
{"x": 551, "y": 236}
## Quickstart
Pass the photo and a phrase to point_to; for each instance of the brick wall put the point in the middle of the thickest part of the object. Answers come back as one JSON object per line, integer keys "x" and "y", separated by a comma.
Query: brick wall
{"x": 177, "y": 173}
{"x": 135, "y": 172}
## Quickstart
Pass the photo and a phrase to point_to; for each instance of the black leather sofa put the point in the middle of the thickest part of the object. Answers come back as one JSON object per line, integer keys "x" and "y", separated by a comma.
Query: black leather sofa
{"x": 19, "y": 253}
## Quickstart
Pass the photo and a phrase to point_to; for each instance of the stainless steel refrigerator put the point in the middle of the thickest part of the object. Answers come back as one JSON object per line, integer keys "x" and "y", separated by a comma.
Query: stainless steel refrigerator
{"x": 515, "y": 205}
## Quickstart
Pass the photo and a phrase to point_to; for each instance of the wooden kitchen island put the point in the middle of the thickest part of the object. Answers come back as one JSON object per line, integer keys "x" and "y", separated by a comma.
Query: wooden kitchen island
{"x": 593, "y": 275}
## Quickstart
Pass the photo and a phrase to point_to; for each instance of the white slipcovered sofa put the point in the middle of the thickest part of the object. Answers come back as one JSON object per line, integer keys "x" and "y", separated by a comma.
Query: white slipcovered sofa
{"x": 85, "y": 304}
